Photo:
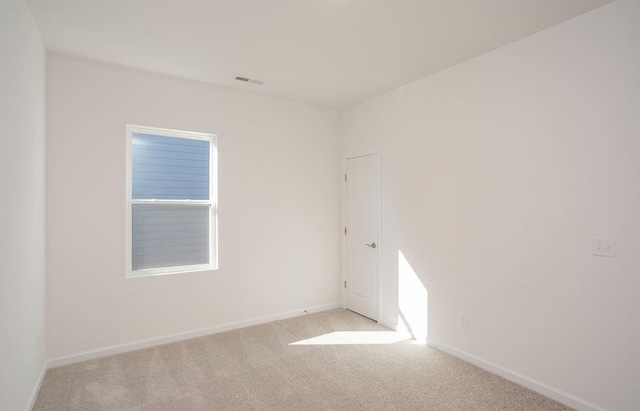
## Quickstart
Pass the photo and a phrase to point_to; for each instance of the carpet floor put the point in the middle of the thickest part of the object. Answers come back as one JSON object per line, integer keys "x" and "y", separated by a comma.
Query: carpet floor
{"x": 333, "y": 360}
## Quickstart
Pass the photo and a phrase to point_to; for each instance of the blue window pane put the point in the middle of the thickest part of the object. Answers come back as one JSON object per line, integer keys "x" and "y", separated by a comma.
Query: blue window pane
{"x": 169, "y": 235}
{"x": 169, "y": 168}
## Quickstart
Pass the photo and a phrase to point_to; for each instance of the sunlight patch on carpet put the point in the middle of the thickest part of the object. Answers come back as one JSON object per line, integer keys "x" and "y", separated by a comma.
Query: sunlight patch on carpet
{"x": 355, "y": 338}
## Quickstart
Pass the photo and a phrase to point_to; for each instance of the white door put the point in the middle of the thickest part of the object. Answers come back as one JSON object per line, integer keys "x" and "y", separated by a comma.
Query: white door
{"x": 362, "y": 235}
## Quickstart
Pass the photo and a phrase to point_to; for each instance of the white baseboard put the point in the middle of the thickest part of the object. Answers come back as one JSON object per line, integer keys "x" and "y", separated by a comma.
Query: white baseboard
{"x": 137, "y": 345}
{"x": 36, "y": 388}
{"x": 537, "y": 386}
{"x": 388, "y": 324}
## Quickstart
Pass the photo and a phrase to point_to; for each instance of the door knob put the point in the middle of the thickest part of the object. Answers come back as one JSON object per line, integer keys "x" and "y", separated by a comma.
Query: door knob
{"x": 372, "y": 245}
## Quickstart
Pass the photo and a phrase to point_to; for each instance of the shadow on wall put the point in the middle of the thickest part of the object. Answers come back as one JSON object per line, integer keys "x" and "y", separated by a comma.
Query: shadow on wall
{"x": 413, "y": 301}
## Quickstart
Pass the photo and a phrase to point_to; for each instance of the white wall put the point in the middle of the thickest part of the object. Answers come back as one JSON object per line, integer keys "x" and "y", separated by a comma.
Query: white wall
{"x": 279, "y": 219}
{"x": 496, "y": 174}
{"x": 22, "y": 205}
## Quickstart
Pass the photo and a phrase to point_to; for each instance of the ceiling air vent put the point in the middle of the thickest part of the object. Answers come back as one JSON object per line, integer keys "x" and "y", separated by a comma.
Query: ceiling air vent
{"x": 249, "y": 80}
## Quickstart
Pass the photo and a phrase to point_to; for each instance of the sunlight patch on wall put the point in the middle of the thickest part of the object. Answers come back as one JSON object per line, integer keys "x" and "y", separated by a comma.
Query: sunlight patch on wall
{"x": 413, "y": 301}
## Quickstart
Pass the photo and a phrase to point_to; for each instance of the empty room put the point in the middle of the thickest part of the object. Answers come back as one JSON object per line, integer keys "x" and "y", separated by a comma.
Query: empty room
{"x": 320, "y": 205}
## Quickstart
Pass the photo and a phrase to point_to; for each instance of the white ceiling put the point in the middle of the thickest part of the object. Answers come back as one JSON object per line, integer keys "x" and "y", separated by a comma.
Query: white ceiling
{"x": 330, "y": 52}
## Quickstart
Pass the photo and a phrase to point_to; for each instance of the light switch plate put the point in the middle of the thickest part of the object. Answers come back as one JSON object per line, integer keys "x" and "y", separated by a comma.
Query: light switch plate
{"x": 603, "y": 247}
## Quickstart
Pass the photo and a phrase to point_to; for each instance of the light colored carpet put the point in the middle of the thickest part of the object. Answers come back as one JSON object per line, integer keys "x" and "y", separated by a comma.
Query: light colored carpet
{"x": 334, "y": 360}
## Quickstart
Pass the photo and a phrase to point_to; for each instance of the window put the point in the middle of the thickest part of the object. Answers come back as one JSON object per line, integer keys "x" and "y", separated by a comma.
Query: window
{"x": 171, "y": 201}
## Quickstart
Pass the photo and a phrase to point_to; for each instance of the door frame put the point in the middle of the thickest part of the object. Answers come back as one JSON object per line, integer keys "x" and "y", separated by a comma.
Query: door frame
{"x": 344, "y": 224}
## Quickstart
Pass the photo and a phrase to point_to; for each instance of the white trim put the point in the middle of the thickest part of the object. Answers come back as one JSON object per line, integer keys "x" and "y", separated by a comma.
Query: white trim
{"x": 152, "y": 342}
{"x": 166, "y": 132}
{"x": 36, "y": 388}
{"x": 388, "y": 324}
{"x": 173, "y": 202}
{"x": 212, "y": 202}
{"x": 128, "y": 204}
{"x": 537, "y": 386}
{"x": 215, "y": 205}
{"x": 362, "y": 154}
{"x": 174, "y": 269}
{"x": 375, "y": 152}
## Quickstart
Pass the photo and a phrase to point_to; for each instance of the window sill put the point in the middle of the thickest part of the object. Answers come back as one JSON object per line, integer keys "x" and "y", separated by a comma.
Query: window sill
{"x": 170, "y": 270}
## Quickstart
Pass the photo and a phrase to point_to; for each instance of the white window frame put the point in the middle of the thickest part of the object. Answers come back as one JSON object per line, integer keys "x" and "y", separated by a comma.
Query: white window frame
{"x": 212, "y": 202}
